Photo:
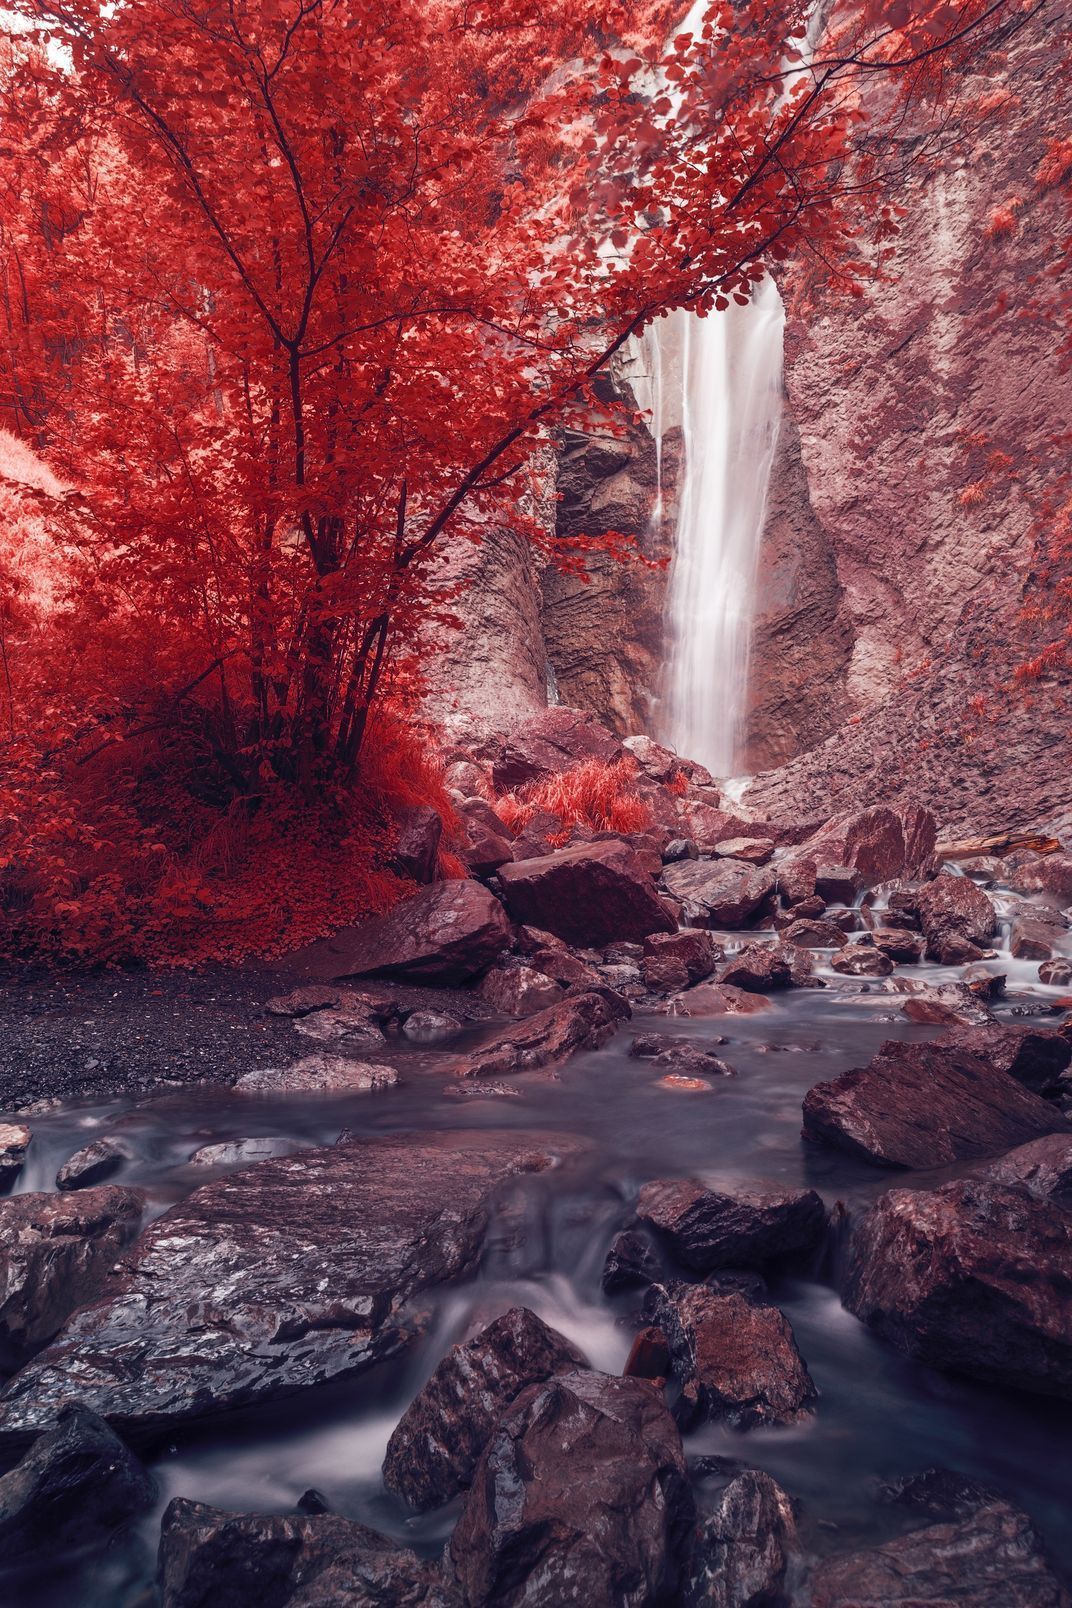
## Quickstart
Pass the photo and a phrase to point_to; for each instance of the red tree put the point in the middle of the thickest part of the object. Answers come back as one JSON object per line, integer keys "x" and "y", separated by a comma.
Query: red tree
{"x": 293, "y": 290}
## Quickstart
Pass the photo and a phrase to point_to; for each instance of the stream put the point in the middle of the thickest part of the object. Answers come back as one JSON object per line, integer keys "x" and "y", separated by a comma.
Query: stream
{"x": 879, "y": 1414}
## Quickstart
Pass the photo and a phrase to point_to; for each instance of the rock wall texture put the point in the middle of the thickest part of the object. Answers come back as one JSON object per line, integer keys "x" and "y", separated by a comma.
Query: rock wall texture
{"x": 889, "y": 600}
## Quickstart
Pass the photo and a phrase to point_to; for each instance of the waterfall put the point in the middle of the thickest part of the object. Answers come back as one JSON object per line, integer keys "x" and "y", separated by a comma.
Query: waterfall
{"x": 726, "y": 373}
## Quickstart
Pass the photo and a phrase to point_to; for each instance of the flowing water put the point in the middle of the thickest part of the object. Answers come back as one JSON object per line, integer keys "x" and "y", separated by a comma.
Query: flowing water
{"x": 878, "y": 1416}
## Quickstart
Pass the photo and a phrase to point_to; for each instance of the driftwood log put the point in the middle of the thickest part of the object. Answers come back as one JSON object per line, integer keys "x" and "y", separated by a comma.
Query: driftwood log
{"x": 1000, "y": 844}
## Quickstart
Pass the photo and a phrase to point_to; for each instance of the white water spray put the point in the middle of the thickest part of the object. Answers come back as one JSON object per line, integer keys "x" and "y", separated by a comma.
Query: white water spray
{"x": 727, "y": 372}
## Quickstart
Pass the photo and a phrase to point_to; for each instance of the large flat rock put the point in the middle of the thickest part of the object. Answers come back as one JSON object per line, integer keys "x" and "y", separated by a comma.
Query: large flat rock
{"x": 279, "y": 1277}
{"x": 446, "y": 933}
{"x": 926, "y": 1105}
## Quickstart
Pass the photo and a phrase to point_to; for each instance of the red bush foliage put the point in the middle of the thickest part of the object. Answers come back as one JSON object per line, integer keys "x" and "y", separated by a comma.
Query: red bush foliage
{"x": 594, "y": 794}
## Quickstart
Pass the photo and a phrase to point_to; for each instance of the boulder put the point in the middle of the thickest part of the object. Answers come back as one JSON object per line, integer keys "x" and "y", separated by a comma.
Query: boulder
{"x": 590, "y": 894}
{"x": 765, "y": 968}
{"x": 837, "y": 884}
{"x": 679, "y": 1055}
{"x": 661, "y": 764}
{"x": 581, "y": 1496}
{"x": 1035, "y": 1059}
{"x": 1041, "y": 873}
{"x": 734, "y": 1357}
{"x": 708, "y": 1228}
{"x": 756, "y": 850}
{"x": 697, "y": 951}
{"x": 56, "y": 1251}
{"x": 680, "y": 849}
{"x": 1043, "y": 1168}
{"x": 925, "y": 1105}
{"x": 348, "y": 1025}
{"x": 581, "y": 1022}
{"x": 319, "y": 1074}
{"x": 93, "y": 1164}
{"x": 242, "y": 1152}
{"x": 722, "y": 893}
{"x": 899, "y": 944}
{"x": 430, "y": 1027}
{"x": 902, "y": 908}
{"x": 745, "y": 1547}
{"x": 949, "y": 1005}
{"x": 796, "y": 878}
{"x": 14, "y": 1143}
{"x": 213, "y": 1559}
{"x": 814, "y": 934}
{"x": 632, "y": 1263}
{"x": 416, "y": 855}
{"x": 488, "y": 843}
{"x": 274, "y": 1279}
{"x": 556, "y": 959}
{"x": 72, "y": 1490}
{"x": 957, "y": 918}
{"x": 860, "y": 960}
{"x": 716, "y": 999}
{"x": 518, "y": 989}
{"x": 991, "y": 1558}
{"x": 973, "y": 1277}
{"x": 436, "y": 1444}
{"x": 446, "y": 933}
{"x": 871, "y": 842}
{"x": 554, "y": 740}
{"x": 1056, "y": 973}
{"x": 1032, "y": 938}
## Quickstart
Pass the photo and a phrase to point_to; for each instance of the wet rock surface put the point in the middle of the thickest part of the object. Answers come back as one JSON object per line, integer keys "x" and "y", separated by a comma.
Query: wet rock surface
{"x": 1034, "y": 1058}
{"x": 733, "y": 1354}
{"x": 765, "y": 968}
{"x": 319, "y": 1074}
{"x": 580, "y": 1496}
{"x": 957, "y": 919}
{"x": 275, "y": 1278}
{"x": 446, "y": 933}
{"x": 973, "y": 1277}
{"x": 591, "y": 894}
{"x": 75, "y": 1486}
{"x": 93, "y": 1164}
{"x": 14, "y": 1143}
{"x": 1043, "y": 1168}
{"x": 745, "y": 1548}
{"x": 584, "y": 1022}
{"x": 707, "y": 1228}
{"x": 925, "y": 1105}
{"x": 719, "y": 893}
{"x": 262, "y": 1560}
{"x": 56, "y": 1252}
{"x": 435, "y": 1446}
{"x": 860, "y": 960}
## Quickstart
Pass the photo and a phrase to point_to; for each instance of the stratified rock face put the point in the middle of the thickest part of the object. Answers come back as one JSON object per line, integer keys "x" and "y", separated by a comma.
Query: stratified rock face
{"x": 580, "y": 1497}
{"x": 926, "y": 1105}
{"x": 273, "y": 1279}
{"x": 435, "y": 1445}
{"x": 446, "y": 933}
{"x": 590, "y": 895}
{"x": 992, "y": 1558}
{"x": 73, "y": 1488}
{"x": 707, "y": 1228}
{"x": 973, "y": 1277}
{"x": 209, "y": 1558}
{"x": 55, "y": 1253}
{"x": 873, "y": 565}
{"x": 744, "y": 1548}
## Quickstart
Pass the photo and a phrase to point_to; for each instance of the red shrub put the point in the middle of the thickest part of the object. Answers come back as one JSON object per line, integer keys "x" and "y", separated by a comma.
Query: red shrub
{"x": 594, "y": 794}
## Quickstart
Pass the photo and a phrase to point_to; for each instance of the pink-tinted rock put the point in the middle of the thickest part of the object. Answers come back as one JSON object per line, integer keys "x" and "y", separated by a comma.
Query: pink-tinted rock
{"x": 661, "y": 764}
{"x": 679, "y": 1055}
{"x": 717, "y": 999}
{"x": 1043, "y": 1168}
{"x": 593, "y": 894}
{"x": 708, "y": 1228}
{"x": 745, "y": 1547}
{"x": 662, "y": 974}
{"x": 420, "y": 829}
{"x": 860, "y": 960}
{"x": 796, "y": 875}
{"x": 1033, "y": 938}
{"x": 1056, "y": 973}
{"x": 582, "y": 1022}
{"x": 870, "y": 841}
{"x": 488, "y": 843}
{"x": 765, "y": 968}
{"x": 957, "y": 918}
{"x": 950, "y": 1005}
{"x": 692, "y": 948}
{"x": 814, "y": 934}
{"x": 723, "y": 893}
{"x": 1042, "y": 873}
{"x": 1034, "y": 1058}
{"x": 926, "y": 1105}
{"x": 837, "y": 884}
{"x": 900, "y": 944}
{"x": 446, "y": 933}
{"x": 518, "y": 989}
{"x": 942, "y": 1274}
{"x": 756, "y": 850}
{"x": 551, "y": 741}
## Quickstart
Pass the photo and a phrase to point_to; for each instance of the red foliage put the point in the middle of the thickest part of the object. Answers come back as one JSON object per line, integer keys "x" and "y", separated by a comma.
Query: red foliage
{"x": 593, "y": 794}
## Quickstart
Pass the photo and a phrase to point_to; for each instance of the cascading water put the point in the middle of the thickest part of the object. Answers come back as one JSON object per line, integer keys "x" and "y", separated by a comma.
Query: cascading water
{"x": 727, "y": 371}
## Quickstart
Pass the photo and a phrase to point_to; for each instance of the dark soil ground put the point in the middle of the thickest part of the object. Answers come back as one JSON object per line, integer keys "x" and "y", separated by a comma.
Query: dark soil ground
{"x": 88, "y": 1035}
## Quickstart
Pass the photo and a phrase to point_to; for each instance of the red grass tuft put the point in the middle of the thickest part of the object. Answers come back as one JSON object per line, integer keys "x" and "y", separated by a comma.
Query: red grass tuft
{"x": 594, "y": 794}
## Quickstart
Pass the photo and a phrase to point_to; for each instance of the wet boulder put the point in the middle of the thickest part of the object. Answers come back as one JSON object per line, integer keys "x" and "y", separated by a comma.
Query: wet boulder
{"x": 734, "y": 1356}
{"x": 1032, "y": 938}
{"x": 814, "y": 934}
{"x": 950, "y": 1005}
{"x": 582, "y": 1021}
{"x": 796, "y": 878}
{"x": 1056, "y": 973}
{"x": 14, "y": 1143}
{"x": 957, "y": 918}
{"x": 488, "y": 843}
{"x": 925, "y": 1105}
{"x": 709, "y": 1228}
{"x": 746, "y": 1548}
{"x": 716, "y": 999}
{"x": 430, "y": 1027}
{"x": 556, "y": 959}
{"x": 591, "y": 894}
{"x": 870, "y": 842}
{"x": 210, "y": 1558}
{"x": 243, "y": 1152}
{"x": 416, "y": 855}
{"x": 319, "y": 1074}
{"x": 692, "y": 948}
{"x": 56, "y": 1252}
{"x": 991, "y": 1558}
{"x": 972, "y": 1277}
{"x": 632, "y": 1263}
{"x": 679, "y": 1055}
{"x": 899, "y": 944}
{"x": 553, "y": 740}
{"x": 720, "y": 893}
{"x": 274, "y": 1279}
{"x": 1043, "y": 1168}
{"x": 766, "y": 968}
{"x": 861, "y": 960}
{"x": 581, "y": 1496}
{"x": 518, "y": 989}
{"x": 72, "y": 1490}
{"x": 661, "y": 764}
{"x": 756, "y": 850}
{"x": 837, "y": 884}
{"x": 436, "y": 1444}
{"x": 446, "y": 933}
{"x": 349, "y": 1027}
{"x": 93, "y": 1163}
{"x": 1035, "y": 1059}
